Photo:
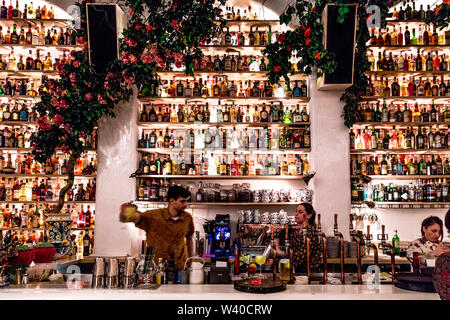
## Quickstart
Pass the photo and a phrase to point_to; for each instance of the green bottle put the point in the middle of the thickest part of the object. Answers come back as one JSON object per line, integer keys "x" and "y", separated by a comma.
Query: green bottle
{"x": 396, "y": 243}
{"x": 287, "y": 116}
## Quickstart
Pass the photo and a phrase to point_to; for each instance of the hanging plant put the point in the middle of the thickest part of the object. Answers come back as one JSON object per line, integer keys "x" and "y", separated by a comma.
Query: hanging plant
{"x": 166, "y": 33}
{"x": 441, "y": 17}
{"x": 352, "y": 95}
{"x": 305, "y": 42}
{"x": 71, "y": 106}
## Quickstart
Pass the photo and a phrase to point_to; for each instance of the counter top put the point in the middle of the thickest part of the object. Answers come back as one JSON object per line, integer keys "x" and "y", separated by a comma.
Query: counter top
{"x": 46, "y": 290}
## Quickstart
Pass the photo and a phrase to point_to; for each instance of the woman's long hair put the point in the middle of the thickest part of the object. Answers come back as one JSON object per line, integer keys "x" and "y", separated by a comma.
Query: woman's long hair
{"x": 428, "y": 222}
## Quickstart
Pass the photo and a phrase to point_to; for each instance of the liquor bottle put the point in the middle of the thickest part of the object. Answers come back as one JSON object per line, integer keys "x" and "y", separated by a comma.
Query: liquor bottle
{"x": 396, "y": 243}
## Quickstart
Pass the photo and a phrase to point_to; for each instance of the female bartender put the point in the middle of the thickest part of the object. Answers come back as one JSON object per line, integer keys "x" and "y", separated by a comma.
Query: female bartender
{"x": 304, "y": 217}
{"x": 430, "y": 245}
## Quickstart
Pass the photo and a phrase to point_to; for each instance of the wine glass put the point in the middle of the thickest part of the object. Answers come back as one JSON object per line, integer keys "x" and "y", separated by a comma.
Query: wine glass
{"x": 260, "y": 260}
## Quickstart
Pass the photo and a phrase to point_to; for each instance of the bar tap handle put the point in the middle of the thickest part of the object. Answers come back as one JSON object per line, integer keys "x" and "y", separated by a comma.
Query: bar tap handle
{"x": 290, "y": 254}
{"x": 354, "y": 237}
{"x": 371, "y": 245}
{"x": 350, "y": 226}
{"x": 341, "y": 243}
{"x": 274, "y": 253}
{"x": 324, "y": 249}
{"x": 391, "y": 249}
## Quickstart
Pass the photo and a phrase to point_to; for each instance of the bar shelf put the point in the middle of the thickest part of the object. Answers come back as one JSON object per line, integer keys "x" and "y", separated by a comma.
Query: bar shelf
{"x": 405, "y": 99}
{"x": 208, "y": 177}
{"x": 20, "y": 229}
{"x": 13, "y": 175}
{"x": 405, "y": 205}
{"x": 222, "y": 204}
{"x": 244, "y": 100}
{"x": 34, "y": 74}
{"x": 400, "y": 151}
{"x": 18, "y": 97}
{"x": 403, "y": 177}
{"x": 152, "y": 125}
{"x": 225, "y": 151}
{"x": 399, "y": 124}
{"x": 49, "y": 202}
{"x": 58, "y": 23}
{"x": 408, "y": 73}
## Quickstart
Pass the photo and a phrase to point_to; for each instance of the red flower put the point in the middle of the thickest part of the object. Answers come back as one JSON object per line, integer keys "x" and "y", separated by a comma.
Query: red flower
{"x": 308, "y": 41}
{"x": 73, "y": 77}
{"x": 109, "y": 75}
{"x": 43, "y": 123}
{"x": 76, "y": 63}
{"x": 288, "y": 48}
{"x": 138, "y": 26}
{"x": 302, "y": 27}
{"x": 281, "y": 38}
{"x": 175, "y": 24}
{"x": 63, "y": 104}
{"x": 133, "y": 59}
{"x": 130, "y": 42}
{"x": 54, "y": 102}
{"x": 308, "y": 33}
{"x": 277, "y": 69}
{"x": 318, "y": 55}
{"x": 149, "y": 28}
{"x": 101, "y": 99}
{"x": 131, "y": 11}
{"x": 88, "y": 97}
{"x": 58, "y": 119}
{"x": 314, "y": 9}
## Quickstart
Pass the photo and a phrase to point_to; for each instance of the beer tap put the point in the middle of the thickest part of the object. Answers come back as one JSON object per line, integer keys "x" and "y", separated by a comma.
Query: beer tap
{"x": 290, "y": 253}
{"x": 307, "y": 240}
{"x": 271, "y": 251}
{"x": 371, "y": 245}
{"x": 354, "y": 235}
{"x": 324, "y": 250}
{"x": 385, "y": 244}
{"x": 341, "y": 245}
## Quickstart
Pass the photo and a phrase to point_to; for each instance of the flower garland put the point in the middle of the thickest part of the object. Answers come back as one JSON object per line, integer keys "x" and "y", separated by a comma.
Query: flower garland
{"x": 162, "y": 34}
{"x": 71, "y": 106}
{"x": 441, "y": 17}
{"x": 305, "y": 42}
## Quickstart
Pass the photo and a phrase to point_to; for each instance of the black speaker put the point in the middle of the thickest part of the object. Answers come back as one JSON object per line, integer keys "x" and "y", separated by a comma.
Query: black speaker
{"x": 105, "y": 23}
{"x": 339, "y": 38}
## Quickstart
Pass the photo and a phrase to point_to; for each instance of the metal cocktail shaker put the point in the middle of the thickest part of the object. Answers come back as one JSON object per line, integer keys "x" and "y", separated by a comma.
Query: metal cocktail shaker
{"x": 98, "y": 273}
{"x": 112, "y": 273}
{"x": 129, "y": 273}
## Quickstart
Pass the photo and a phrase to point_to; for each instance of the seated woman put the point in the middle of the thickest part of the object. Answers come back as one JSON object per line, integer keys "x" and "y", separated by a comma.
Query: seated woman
{"x": 304, "y": 216}
{"x": 427, "y": 246}
{"x": 441, "y": 279}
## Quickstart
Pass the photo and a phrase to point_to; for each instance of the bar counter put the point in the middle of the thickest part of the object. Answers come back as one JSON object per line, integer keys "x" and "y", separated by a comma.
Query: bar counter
{"x": 59, "y": 291}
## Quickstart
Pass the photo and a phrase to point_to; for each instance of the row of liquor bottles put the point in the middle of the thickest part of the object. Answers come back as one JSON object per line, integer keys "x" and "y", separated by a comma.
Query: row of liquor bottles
{"x": 398, "y": 139}
{"x": 402, "y": 113}
{"x": 14, "y": 110}
{"x": 407, "y": 11}
{"x": 28, "y": 216}
{"x": 221, "y": 87}
{"x": 431, "y": 190}
{"x": 10, "y": 63}
{"x": 266, "y": 139}
{"x": 230, "y": 63}
{"x": 405, "y": 62}
{"x": 190, "y": 113}
{"x": 28, "y": 12}
{"x": 56, "y": 165}
{"x": 226, "y": 165}
{"x": 20, "y": 87}
{"x": 21, "y": 138}
{"x": 37, "y": 36}
{"x": 257, "y": 37}
{"x": 424, "y": 37}
{"x": 400, "y": 165}
{"x": 44, "y": 190}
{"x": 237, "y": 14}
{"x": 413, "y": 88}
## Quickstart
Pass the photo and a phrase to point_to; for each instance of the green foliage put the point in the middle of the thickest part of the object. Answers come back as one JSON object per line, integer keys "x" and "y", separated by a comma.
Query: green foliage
{"x": 43, "y": 245}
{"x": 22, "y": 247}
{"x": 165, "y": 33}
{"x": 305, "y": 42}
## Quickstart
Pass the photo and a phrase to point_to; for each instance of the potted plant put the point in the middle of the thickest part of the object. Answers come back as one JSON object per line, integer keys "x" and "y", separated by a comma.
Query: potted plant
{"x": 25, "y": 255}
{"x": 44, "y": 252}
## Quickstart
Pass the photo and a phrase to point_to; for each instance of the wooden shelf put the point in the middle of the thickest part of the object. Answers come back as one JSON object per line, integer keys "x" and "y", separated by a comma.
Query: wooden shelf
{"x": 13, "y": 175}
{"x": 49, "y": 202}
{"x": 21, "y": 229}
{"x": 30, "y": 46}
{"x": 199, "y": 178}
{"x": 231, "y": 75}
{"x": 31, "y": 149}
{"x": 18, "y": 123}
{"x": 152, "y": 125}
{"x": 82, "y": 229}
{"x": 34, "y": 74}
{"x": 400, "y": 124}
{"x": 401, "y": 151}
{"x": 253, "y": 22}
{"x": 35, "y": 98}
{"x": 245, "y": 100}
{"x": 224, "y": 151}
{"x": 410, "y": 47}
{"x": 225, "y": 204}
{"x": 404, "y": 177}
{"x": 403, "y": 99}
{"x": 408, "y": 73}
{"x": 59, "y": 23}
{"x": 406, "y": 205}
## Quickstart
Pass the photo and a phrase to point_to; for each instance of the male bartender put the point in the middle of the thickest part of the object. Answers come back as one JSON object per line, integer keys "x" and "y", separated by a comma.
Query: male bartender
{"x": 169, "y": 230}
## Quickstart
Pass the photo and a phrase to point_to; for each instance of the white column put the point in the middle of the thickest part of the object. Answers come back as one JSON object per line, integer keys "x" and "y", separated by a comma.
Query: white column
{"x": 330, "y": 158}
{"x": 117, "y": 159}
